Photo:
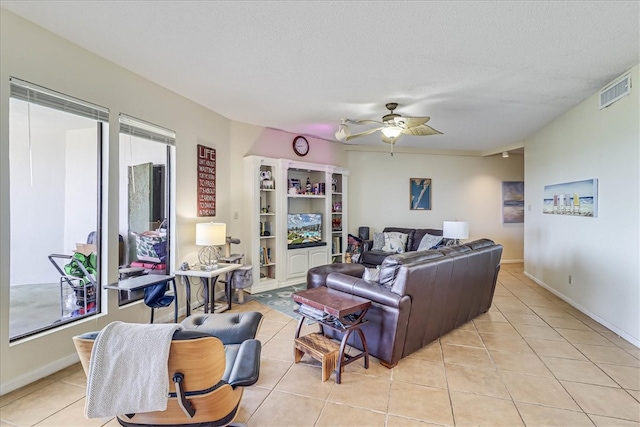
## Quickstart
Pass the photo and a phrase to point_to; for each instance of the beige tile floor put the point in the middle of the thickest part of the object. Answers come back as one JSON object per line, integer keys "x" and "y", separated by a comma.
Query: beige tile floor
{"x": 531, "y": 360}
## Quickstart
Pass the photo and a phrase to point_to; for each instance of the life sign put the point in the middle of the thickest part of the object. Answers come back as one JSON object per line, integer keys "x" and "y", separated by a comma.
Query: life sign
{"x": 206, "y": 181}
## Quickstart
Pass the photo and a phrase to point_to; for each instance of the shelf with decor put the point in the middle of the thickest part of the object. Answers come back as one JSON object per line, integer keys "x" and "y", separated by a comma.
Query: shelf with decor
{"x": 292, "y": 219}
{"x": 338, "y": 215}
{"x": 261, "y": 209}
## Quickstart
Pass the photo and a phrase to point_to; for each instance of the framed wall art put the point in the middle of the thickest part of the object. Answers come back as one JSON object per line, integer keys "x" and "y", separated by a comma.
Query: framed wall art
{"x": 420, "y": 193}
{"x": 577, "y": 198}
{"x": 512, "y": 202}
{"x": 206, "y": 161}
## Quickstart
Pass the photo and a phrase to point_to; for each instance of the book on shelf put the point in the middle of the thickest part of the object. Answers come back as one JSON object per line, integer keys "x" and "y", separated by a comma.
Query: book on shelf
{"x": 336, "y": 245}
{"x": 311, "y": 312}
{"x": 265, "y": 255}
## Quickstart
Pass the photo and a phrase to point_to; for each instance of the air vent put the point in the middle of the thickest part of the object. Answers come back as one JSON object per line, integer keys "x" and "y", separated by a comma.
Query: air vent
{"x": 615, "y": 91}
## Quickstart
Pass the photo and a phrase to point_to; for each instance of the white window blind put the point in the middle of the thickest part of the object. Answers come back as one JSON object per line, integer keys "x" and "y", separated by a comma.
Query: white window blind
{"x": 136, "y": 127}
{"x": 39, "y": 95}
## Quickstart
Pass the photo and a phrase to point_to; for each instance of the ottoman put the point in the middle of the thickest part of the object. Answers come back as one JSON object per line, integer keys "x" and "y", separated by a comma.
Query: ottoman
{"x": 230, "y": 328}
{"x": 317, "y": 276}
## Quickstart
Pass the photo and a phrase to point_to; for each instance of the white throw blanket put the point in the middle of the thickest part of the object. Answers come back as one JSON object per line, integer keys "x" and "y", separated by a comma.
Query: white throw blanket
{"x": 128, "y": 372}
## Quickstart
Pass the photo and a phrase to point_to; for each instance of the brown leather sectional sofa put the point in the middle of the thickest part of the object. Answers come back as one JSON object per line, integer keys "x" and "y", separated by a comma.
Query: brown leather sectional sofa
{"x": 420, "y": 295}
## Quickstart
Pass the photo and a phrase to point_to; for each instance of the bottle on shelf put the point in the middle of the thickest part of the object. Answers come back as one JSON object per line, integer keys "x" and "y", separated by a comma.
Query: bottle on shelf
{"x": 308, "y": 186}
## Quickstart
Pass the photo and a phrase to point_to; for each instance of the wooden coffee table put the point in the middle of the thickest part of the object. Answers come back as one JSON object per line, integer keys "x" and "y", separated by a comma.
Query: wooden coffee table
{"x": 342, "y": 312}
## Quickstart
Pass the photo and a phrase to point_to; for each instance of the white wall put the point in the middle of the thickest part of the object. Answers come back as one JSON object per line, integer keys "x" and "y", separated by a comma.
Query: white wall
{"x": 601, "y": 254}
{"x": 30, "y": 53}
{"x": 463, "y": 188}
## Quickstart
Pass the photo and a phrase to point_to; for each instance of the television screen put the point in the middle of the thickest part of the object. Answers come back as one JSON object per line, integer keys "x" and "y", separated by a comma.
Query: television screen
{"x": 304, "y": 230}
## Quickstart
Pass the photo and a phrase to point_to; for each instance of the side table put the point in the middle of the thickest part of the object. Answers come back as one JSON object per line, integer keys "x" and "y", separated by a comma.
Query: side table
{"x": 209, "y": 278}
{"x": 336, "y": 310}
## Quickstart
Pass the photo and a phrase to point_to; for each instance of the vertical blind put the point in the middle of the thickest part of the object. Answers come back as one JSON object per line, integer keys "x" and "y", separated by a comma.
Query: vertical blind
{"x": 39, "y": 95}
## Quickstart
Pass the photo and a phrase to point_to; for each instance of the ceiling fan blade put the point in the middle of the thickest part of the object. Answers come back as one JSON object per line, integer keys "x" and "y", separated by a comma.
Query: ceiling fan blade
{"x": 343, "y": 132}
{"x": 422, "y": 130}
{"x": 364, "y": 122}
{"x": 388, "y": 140}
{"x": 410, "y": 122}
{"x": 366, "y": 132}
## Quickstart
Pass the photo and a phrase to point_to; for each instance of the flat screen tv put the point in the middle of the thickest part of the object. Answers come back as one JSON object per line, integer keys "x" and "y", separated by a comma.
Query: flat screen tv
{"x": 304, "y": 230}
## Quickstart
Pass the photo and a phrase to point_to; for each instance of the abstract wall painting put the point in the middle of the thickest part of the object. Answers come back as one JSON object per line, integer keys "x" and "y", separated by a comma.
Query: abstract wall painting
{"x": 577, "y": 198}
{"x": 420, "y": 193}
{"x": 512, "y": 202}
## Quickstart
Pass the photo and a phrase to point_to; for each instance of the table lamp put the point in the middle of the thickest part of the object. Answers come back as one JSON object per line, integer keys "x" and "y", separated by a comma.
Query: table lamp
{"x": 455, "y": 230}
{"x": 210, "y": 235}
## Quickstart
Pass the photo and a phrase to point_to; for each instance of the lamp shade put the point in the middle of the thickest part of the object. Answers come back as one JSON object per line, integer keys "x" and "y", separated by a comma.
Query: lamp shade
{"x": 455, "y": 229}
{"x": 211, "y": 234}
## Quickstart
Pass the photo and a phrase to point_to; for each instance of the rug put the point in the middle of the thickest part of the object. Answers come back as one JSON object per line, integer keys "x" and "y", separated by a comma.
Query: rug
{"x": 280, "y": 299}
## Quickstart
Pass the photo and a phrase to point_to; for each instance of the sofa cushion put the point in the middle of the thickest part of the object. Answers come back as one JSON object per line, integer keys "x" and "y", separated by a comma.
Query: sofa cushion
{"x": 428, "y": 242}
{"x": 391, "y": 264}
{"x": 419, "y": 234}
{"x": 395, "y": 242}
{"x": 378, "y": 241}
{"x": 410, "y": 232}
{"x": 371, "y": 274}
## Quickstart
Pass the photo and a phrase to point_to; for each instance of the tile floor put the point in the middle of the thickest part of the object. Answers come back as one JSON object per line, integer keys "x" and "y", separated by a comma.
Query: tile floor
{"x": 531, "y": 360}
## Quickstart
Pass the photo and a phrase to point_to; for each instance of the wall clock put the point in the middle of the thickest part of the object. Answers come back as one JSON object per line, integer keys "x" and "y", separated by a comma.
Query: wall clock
{"x": 300, "y": 145}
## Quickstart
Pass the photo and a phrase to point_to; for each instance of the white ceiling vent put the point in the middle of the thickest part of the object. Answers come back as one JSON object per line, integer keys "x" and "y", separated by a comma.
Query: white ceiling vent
{"x": 615, "y": 91}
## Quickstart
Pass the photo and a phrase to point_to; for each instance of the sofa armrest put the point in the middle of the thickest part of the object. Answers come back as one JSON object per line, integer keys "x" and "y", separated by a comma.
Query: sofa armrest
{"x": 359, "y": 287}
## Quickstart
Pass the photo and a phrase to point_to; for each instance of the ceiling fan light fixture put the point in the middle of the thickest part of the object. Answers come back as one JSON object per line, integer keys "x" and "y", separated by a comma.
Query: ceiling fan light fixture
{"x": 392, "y": 131}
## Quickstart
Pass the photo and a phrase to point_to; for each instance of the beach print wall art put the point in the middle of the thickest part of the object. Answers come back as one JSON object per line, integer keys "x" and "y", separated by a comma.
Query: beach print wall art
{"x": 578, "y": 198}
{"x": 512, "y": 202}
{"x": 420, "y": 193}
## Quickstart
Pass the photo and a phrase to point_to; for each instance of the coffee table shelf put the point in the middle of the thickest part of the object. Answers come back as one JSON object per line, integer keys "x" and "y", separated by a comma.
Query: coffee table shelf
{"x": 349, "y": 311}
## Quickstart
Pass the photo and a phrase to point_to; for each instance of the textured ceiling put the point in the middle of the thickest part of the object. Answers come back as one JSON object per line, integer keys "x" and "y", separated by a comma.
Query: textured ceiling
{"x": 489, "y": 73}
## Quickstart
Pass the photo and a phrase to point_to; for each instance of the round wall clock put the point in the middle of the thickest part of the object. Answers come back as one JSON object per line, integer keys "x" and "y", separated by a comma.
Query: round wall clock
{"x": 300, "y": 145}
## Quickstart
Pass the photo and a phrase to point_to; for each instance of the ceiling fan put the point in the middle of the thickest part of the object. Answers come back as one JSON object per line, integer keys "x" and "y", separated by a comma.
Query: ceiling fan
{"x": 393, "y": 126}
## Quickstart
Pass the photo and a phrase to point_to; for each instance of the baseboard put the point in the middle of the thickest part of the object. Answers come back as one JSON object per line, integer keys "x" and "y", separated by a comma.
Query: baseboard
{"x": 41, "y": 372}
{"x": 511, "y": 261}
{"x": 586, "y": 312}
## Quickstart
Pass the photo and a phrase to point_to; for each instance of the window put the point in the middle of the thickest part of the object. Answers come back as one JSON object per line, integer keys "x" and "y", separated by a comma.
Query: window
{"x": 145, "y": 183}
{"x": 55, "y": 143}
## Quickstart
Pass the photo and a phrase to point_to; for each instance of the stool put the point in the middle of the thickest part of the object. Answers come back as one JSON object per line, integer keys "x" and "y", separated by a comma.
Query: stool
{"x": 317, "y": 276}
{"x": 320, "y": 348}
{"x": 230, "y": 328}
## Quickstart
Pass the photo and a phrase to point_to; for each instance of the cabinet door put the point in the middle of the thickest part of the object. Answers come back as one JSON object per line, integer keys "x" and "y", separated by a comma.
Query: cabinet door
{"x": 317, "y": 257}
{"x": 298, "y": 263}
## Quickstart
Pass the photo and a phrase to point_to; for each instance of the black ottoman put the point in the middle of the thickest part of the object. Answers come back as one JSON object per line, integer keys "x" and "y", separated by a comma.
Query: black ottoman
{"x": 317, "y": 276}
{"x": 230, "y": 328}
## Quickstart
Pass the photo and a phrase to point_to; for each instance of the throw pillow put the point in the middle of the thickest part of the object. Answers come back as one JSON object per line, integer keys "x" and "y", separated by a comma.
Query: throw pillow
{"x": 429, "y": 242}
{"x": 378, "y": 241}
{"x": 395, "y": 242}
{"x": 371, "y": 274}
